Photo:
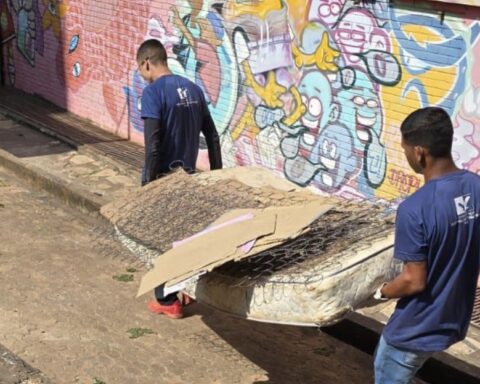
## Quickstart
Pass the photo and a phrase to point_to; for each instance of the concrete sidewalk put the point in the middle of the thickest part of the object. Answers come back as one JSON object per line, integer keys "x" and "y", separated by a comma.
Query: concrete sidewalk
{"x": 88, "y": 167}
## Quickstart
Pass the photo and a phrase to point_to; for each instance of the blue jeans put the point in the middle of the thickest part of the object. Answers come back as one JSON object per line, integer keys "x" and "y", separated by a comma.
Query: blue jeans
{"x": 397, "y": 366}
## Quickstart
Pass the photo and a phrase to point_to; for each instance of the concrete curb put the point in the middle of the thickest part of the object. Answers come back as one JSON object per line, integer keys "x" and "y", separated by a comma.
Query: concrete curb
{"x": 442, "y": 368}
{"x": 72, "y": 195}
{"x": 15, "y": 370}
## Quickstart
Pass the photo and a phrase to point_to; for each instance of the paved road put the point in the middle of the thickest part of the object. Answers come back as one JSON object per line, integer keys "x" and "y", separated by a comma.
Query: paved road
{"x": 62, "y": 312}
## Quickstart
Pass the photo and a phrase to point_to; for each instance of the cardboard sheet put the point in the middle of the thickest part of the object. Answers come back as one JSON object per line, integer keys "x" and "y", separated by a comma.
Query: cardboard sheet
{"x": 222, "y": 243}
{"x": 198, "y": 254}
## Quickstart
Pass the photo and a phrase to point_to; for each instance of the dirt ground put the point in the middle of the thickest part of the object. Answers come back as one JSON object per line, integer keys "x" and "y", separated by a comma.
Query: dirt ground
{"x": 63, "y": 312}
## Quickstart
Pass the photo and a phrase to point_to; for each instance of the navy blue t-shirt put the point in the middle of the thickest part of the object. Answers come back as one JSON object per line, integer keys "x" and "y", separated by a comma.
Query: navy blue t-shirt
{"x": 180, "y": 106}
{"x": 438, "y": 224}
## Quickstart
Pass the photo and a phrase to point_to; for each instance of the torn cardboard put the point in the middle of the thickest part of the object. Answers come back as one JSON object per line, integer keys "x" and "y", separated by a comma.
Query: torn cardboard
{"x": 268, "y": 228}
{"x": 197, "y": 254}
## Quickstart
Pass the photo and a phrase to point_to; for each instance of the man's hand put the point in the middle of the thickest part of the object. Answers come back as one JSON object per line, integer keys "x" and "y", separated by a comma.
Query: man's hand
{"x": 411, "y": 281}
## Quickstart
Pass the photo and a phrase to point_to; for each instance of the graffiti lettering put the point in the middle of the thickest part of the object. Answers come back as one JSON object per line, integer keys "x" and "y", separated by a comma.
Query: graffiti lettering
{"x": 404, "y": 182}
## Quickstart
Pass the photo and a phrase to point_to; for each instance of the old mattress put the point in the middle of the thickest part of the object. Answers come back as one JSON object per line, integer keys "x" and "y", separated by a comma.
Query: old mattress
{"x": 313, "y": 279}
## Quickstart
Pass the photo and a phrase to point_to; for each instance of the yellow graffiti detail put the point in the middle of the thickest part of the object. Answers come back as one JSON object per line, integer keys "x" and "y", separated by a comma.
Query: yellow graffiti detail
{"x": 206, "y": 29}
{"x": 422, "y": 34}
{"x": 260, "y": 8}
{"x": 244, "y": 122}
{"x": 54, "y": 11}
{"x": 300, "y": 108}
{"x": 270, "y": 93}
{"x": 297, "y": 15}
{"x": 323, "y": 58}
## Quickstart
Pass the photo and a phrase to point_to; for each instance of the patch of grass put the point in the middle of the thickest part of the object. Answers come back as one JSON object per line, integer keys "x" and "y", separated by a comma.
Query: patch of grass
{"x": 132, "y": 270}
{"x": 125, "y": 278}
{"x": 135, "y": 333}
{"x": 98, "y": 381}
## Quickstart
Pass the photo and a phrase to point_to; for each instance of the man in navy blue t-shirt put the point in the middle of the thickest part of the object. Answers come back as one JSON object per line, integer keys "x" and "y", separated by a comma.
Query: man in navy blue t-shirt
{"x": 175, "y": 112}
{"x": 437, "y": 238}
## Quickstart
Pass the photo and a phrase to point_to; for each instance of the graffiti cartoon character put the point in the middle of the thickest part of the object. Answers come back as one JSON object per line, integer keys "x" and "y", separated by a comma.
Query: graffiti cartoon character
{"x": 361, "y": 112}
{"x": 321, "y": 110}
{"x": 334, "y": 151}
{"x": 358, "y": 32}
{"x": 325, "y": 11}
{"x": 316, "y": 93}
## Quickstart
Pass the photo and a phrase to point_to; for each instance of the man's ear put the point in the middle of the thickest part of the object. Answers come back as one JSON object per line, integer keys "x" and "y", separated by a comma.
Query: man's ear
{"x": 421, "y": 154}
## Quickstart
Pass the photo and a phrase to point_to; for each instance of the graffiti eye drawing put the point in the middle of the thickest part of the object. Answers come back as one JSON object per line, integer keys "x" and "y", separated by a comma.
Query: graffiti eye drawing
{"x": 324, "y": 10}
{"x": 333, "y": 150}
{"x": 348, "y": 77}
{"x": 372, "y": 103}
{"x": 325, "y": 146}
{"x": 358, "y": 100}
{"x": 139, "y": 104}
{"x": 76, "y": 70}
{"x": 73, "y": 43}
{"x": 357, "y": 36}
{"x": 335, "y": 9}
{"x": 315, "y": 107}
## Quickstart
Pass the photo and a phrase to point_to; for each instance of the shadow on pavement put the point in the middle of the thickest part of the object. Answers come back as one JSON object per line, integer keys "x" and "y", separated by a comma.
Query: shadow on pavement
{"x": 289, "y": 354}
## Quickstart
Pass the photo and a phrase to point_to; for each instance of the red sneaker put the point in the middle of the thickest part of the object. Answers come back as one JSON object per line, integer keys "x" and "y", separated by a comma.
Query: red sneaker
{"x": 173, "y": 310}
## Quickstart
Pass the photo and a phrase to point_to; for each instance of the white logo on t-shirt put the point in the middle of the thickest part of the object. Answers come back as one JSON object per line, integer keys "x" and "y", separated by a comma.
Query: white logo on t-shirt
{"x": 461, "y": 204}
{"x": 182, "y": 93}
{"x": 185, "y": 99}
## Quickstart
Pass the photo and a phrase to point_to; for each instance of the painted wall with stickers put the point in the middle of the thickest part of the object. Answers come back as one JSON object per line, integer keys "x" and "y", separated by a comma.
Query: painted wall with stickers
{"x": 313, "y": 89}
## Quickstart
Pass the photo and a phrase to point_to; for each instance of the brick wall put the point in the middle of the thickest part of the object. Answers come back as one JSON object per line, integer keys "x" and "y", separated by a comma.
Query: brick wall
{"x": 315, "y": 90}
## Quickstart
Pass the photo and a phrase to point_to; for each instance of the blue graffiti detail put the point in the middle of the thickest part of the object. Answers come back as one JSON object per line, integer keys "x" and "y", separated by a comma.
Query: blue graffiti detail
{"x": 375, "y": 162}
{"x": 475, "y": 32}
{"x": 420, "y": 58}
{"x": 441, "y": 54}
{"x": 223, "y": 110}
{"x": 73, "y": 43}
{"x": 417, "y": 85}
{"x": 134, "y": 101}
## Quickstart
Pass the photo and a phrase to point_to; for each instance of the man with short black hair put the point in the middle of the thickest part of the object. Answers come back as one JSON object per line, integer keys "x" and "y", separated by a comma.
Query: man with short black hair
{"x": 437, "y": 238}
{"x": 175, "y": 112}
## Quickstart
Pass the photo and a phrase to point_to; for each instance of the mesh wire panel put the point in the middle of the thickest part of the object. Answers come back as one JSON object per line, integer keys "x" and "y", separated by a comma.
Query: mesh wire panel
{"x": 179, "y": 206}
{"x": 476, "y": 309}
{"x": 345, "y": 229}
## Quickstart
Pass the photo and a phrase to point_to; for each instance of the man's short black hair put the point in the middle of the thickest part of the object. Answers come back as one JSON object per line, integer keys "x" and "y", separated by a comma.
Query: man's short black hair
{"x": 431, "y": 128}
{"x": 152, "y": 50}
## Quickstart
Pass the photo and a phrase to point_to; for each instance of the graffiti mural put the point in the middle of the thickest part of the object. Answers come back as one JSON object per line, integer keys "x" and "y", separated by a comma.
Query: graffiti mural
{"x": 7, "y": 42}
{"x": 316, "y": 85}
{"x": 315, "y": 90}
